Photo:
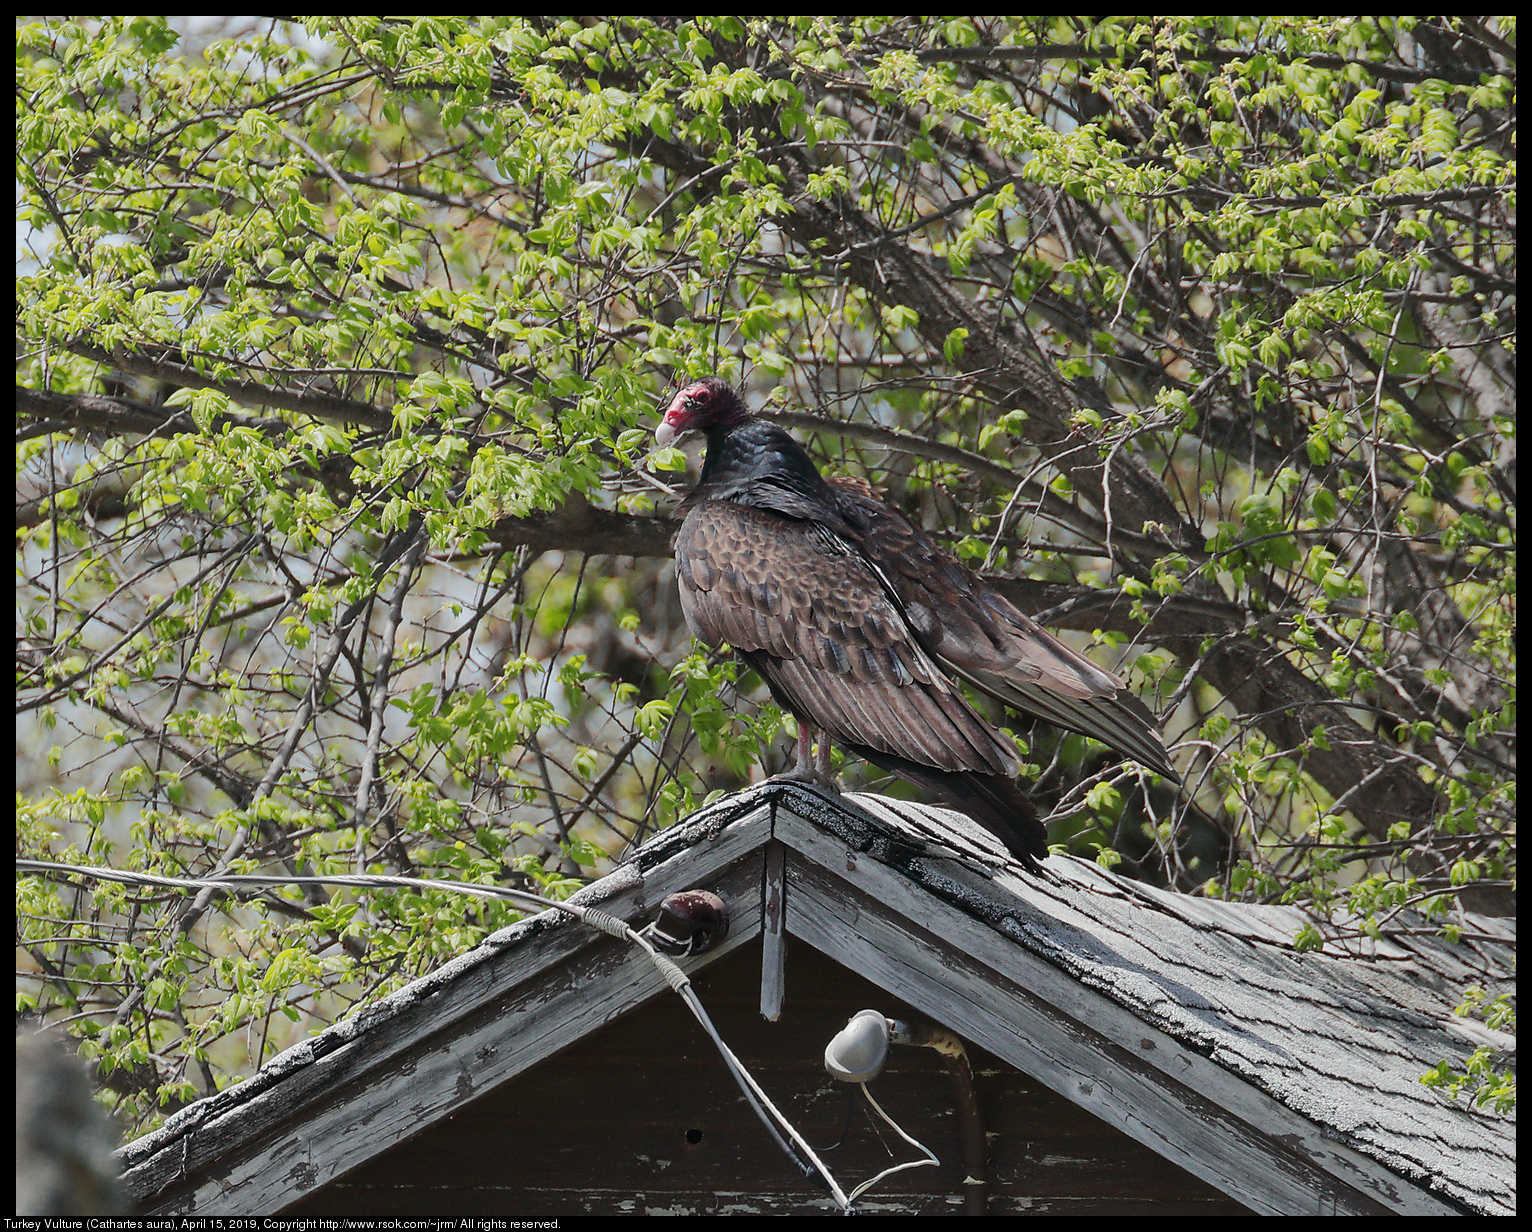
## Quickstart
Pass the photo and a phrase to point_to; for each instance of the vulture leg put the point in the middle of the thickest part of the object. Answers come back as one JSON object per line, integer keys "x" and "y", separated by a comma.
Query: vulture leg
{"x": 803, "y": 764}
{"x": 807, "y": 767}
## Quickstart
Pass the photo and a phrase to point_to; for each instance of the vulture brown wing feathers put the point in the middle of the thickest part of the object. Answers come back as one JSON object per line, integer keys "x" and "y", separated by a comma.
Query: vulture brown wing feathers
{"x": 809, "y": 613}
{"x": 985, "y": 639}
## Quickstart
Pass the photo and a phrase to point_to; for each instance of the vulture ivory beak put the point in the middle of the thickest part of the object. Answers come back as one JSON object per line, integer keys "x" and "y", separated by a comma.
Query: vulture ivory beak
{"x": 665, "y": 434}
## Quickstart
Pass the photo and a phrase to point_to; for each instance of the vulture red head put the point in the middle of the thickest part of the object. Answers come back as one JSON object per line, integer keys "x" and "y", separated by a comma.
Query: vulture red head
{"x": 700, "y": 406}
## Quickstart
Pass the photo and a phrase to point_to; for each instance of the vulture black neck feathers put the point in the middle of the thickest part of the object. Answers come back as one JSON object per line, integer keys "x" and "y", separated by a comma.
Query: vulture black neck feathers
{"x": 748, "y": 461}
{"x": 859, "y": 624}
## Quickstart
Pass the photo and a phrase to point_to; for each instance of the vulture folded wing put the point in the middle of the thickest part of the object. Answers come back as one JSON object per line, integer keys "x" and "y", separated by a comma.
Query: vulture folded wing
{"x": 982, "y": 637}
{"x": 804, "y": 609}
{"x": 1121, "y": 722}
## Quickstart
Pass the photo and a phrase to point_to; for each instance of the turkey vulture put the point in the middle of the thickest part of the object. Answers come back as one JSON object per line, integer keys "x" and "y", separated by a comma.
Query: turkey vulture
{"x": 859, "y": 624}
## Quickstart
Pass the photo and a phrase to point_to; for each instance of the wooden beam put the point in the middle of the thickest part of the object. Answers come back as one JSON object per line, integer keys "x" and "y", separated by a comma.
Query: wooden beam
{"x": 1080, "y": 1043}
{"x": 773, "y": 933}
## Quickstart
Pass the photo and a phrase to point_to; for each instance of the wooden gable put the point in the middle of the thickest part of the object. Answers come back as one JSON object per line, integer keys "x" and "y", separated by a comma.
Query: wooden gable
{"x": 1169, "y": 1022}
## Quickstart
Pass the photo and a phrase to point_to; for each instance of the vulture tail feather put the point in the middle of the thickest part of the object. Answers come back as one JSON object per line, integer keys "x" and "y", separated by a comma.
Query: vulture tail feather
{"x": 992, "y": 800}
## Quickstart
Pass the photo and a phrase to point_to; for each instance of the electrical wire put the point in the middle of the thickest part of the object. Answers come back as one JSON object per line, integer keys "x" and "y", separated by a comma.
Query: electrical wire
{"x": 930, "y": 1160}
{"x": 807, "y": 1162}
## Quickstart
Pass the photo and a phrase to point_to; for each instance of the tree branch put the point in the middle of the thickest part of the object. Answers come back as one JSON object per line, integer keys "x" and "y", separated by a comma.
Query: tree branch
{"x": 252, "y": 393}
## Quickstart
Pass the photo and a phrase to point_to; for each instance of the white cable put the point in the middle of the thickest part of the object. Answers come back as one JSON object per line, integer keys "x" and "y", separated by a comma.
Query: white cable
{"x": 744, "y": 1078}
{"x": 256, "y": 881}
{"x": 594, "y": 917}
{"x": 930, "y": 1160}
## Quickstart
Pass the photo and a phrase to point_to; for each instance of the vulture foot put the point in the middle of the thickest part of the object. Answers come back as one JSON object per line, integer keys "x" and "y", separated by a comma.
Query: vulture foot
{"x": 812, "y": 777}
{"x": 812, "y": 765}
